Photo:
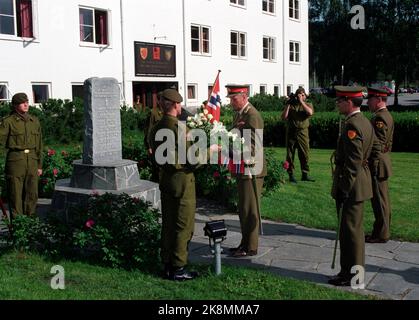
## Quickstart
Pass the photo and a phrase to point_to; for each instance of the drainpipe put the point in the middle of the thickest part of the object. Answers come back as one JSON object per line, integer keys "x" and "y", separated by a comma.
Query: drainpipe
{"x": 122, "y": 52}
{"x": 185, "y": 86}
{"x": 284, "y": 14}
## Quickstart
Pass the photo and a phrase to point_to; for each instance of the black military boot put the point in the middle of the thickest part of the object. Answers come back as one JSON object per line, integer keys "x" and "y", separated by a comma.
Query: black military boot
{"x": 306, "y": 177}
{"x": 292, "y": 178}
{"x": 181, "y": 274}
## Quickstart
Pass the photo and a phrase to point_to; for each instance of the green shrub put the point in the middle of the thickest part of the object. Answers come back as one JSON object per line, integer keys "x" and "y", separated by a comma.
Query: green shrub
{"x": 322, "y": 103}
{"x": 267, "y": 102}
{"x": 114, "y": 230}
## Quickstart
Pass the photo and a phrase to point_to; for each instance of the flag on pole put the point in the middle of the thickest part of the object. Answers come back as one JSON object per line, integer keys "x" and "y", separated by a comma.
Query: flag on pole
{"x": 214, "y": 100}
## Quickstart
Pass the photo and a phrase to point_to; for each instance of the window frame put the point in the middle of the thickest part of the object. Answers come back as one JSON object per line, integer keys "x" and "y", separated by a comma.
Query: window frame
{"x": 271, "y": 49}
{"x": 267, "y": 11}
{"x": 235, "y": 3}
{"x": 49, "y": 91}
{"x": 6, "y": 85}
{"x": 290, "y": 86}
{"x": 239, "y": 45}
{"x": 294, "y": 10}
{"x": 265, "y": 86}
{"x": 294, "y": 52}
{"x": 34, "y": 21}
{"x": 76, "y": 84}
{"x": 277, "y": 86}
{"x": 108, "y": 28}
{"x": 195, "y": 91}
{"x": 201, "y": 40}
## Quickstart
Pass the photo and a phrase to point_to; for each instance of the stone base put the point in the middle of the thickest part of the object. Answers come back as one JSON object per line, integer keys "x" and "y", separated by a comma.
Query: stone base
{"x": 66, "y": 197}
{"x": 120, "y": 175}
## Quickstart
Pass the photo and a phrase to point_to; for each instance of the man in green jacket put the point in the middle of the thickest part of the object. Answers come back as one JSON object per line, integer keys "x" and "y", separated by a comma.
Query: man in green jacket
{"x": 21, "y": 135}
{"x": 383, "y": 124}
{"x": 297, "y": 113}
{"x": 357, "y": 147}
{"x": 177, "y": 187}
{"x": 246, "y": 117}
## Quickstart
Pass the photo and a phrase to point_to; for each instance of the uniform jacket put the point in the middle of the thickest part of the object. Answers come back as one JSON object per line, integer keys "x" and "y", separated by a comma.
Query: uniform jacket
{"x": 18, "y": 134}
{"x": 357, "y": 146}
{"x": 383, "y": 124}
{"x": 154, "y": 117}
{"x": 175, "y": 176}
{"x": 252, "y": 120}
{"x": 298, "y": 117}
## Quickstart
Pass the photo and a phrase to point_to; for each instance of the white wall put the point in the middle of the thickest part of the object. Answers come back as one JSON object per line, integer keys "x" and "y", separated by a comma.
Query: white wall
{"x": 57, "y": 56}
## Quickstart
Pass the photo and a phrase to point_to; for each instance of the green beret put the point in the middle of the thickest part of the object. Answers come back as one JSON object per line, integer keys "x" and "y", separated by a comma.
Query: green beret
{"x": 19, "y": 98}
{"x": 172, "y": 95}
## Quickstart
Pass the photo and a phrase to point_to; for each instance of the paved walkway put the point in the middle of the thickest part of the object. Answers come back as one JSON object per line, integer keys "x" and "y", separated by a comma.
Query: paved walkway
{"x": 392, "y": 269}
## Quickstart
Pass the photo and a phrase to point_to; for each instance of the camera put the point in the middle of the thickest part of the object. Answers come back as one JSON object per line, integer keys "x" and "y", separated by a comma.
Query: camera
{"x": 293, "y": 100}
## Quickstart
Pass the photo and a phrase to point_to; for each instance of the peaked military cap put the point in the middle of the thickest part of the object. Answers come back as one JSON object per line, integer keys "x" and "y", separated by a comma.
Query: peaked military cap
{"x": 349, "y": 92}
{"x": 234, "y": 89}
{"x": 377, "y": 92}
{"x": 19, "y": 98}
{"x": 172, "y": 95}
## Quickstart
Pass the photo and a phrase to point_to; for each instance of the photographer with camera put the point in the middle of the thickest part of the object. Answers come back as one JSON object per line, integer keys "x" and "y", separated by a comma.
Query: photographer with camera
{"x": 297, "y": 112}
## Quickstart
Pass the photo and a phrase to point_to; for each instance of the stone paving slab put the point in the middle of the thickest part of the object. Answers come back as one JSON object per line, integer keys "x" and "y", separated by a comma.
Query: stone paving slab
{"x": 392, "y": 269}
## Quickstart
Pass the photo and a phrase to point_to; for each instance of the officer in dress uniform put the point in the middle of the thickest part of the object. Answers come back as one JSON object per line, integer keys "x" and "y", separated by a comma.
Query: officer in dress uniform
{"x": 247, "y": 117}
{"x": 383, "y": 124}
{"x": 21, "y": 135}
{"x": 177, "y": 187}
{"x": 357, "y": 147}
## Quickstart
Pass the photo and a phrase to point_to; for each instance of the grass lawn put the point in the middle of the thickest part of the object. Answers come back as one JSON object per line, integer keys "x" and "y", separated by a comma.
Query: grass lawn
{"x": 27, "y": 276}
{"x": 311, "y": 205}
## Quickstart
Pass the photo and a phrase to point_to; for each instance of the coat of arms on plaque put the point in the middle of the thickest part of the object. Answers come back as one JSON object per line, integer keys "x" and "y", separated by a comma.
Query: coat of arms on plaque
{"x": 143, "y": 53}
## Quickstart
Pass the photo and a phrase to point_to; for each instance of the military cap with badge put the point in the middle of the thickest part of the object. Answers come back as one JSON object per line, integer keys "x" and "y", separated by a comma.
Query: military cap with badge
{"x": 172, "y": 95}
{"x": 235, "y": 89}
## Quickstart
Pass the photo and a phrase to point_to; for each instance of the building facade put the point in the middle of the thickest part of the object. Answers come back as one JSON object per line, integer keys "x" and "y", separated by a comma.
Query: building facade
{"x": 48, "y": 48}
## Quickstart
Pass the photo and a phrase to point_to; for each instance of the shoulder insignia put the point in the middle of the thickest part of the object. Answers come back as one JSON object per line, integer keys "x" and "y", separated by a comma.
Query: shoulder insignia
{"x": 379, "y": 124}
{"x": 352, "y": 134}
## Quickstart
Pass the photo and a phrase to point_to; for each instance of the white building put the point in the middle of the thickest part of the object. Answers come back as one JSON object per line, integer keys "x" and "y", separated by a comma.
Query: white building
{"x": 49, "y": 47}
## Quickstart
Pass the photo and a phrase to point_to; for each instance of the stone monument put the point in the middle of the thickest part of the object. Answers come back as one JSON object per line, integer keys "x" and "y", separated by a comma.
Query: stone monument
{"x": 102, "y": 168}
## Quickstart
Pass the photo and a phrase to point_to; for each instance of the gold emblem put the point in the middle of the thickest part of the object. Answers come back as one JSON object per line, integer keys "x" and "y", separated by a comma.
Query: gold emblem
{"x": 168, "y": 54}
{"x": 379, "y": 124}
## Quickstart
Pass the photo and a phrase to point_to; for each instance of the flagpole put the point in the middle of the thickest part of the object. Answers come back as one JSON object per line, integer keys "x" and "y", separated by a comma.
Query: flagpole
{"x": 213, "y": 85}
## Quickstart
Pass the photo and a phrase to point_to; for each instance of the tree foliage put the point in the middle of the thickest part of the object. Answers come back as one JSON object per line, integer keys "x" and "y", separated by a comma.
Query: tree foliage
{"x": 387, "y": 49}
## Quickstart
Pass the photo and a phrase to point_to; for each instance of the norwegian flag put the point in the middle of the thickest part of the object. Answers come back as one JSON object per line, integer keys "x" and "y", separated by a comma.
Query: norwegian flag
{"x": 234, "y": 168}
{"x": 214, "y": 100}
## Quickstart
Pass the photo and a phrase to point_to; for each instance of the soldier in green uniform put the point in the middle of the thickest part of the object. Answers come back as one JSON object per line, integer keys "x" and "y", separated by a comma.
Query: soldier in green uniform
{"x": 383, "y": 124}
{"x": 21, "y": 135}
{"x": 357, "y": 147}
{"x": 297, "y": 113}
{"x": 153, "y": 118}
{"x": 247, "y": 117}
{"x": 177, "y": 187}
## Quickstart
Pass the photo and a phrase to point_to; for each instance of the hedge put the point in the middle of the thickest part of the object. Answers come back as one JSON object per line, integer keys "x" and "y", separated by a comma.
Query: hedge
{"x": 324, "y": 129}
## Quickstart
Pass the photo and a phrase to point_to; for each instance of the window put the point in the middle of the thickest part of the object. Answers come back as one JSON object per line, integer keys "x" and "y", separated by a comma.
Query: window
{"x": 238, "y": 44}
{"x": 16, "y": 18}
{"x": 262, "y": 89}
{"x": 269, "y": 49}
{"x": 93, "y": 26}
{"x": 295, "y": 9}
{"x": 276, "y": 90}
{"x": 40, "y": 92}
{"x": 77, "y": 91}
{"x": 192, "y": 90}
{"x": 200, "y": 39}
{"x": 268, "y": 6}
{"x": 289, "y": 89}
{"x": 4, "y": 91}
{"x": 294, "y": 51}
{"x": 241, "y": 3}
